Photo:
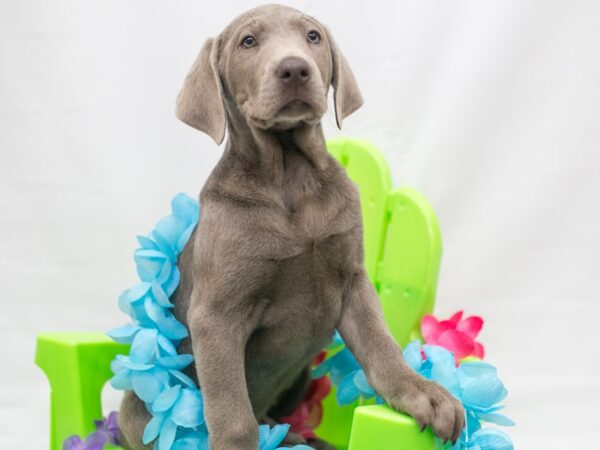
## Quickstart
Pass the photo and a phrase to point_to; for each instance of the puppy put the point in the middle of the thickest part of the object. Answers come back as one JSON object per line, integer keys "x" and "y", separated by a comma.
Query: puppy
{"x": 275, "y": 264}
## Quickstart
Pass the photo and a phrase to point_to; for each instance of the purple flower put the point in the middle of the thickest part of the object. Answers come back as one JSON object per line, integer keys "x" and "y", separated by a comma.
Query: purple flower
{"x": 94, "y": 441}
{"x": 107, "y": 432}
{"x": 110, "y": 428}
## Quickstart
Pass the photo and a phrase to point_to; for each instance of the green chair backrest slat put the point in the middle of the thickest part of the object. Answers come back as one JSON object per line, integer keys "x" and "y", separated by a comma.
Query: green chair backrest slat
{"x": 408, "y": 269}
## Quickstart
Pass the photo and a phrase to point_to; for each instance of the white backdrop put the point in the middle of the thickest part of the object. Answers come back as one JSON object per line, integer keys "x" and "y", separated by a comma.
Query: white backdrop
{"x": 490, "y": 108}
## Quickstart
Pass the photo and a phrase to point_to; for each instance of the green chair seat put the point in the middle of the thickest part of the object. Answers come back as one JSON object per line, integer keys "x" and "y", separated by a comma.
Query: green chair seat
{"x": 402, "y": 254}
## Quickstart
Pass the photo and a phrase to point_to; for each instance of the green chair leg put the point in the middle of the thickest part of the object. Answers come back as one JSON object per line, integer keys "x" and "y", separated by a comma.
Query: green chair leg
{"x": 379, "y": 427}
{"x": 77, "y": 365}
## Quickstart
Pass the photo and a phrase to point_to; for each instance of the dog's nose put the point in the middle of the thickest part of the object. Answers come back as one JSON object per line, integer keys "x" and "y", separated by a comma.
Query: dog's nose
{"x": 293, "y": 71}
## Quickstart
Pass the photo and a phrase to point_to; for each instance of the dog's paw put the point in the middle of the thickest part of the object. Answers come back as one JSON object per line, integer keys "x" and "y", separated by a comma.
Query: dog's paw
{"x": 431, "y": 406}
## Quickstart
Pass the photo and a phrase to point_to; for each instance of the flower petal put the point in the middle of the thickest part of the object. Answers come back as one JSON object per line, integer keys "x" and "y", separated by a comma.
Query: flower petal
{"x": 176, "y": 362}
{"x": 166, "y": 399}
{"x": 473, "y": 424}
{"x": 124, "y": 334}
{"x": 152, "y": 428}
{"x": 360, "y": 381}
{"x": 471, "y": 326}
{"x": 322, "y": 369}
{"x": 428, "y": 325}
{"x": 458, "y": 343}
{"x": 186, "y": 208}
{"x": 160, "y": 295}
{"x": 190, "y": 443}
{"x": 170, "y": 228}
{"x": 456, "y": 317}
{"x": 122, "y": 380}
{"x": 148, "y": 384}
{"x": 478, "y": 350}
{"x": 166, "y": 345}
{"x": 149, "y": 263}
{"x": 275, "y": 436}
{"x": 171, "y": 328}
{"x": 437, "y": 330}
{"x": 138, "y": 291}
{"x": 475, "y": 369}
{"x": 146, "y": 243}
{"x": 188, "y": 411}
{"x": 164, "y": 245}
{"x": 483, "y": 392}
{"x": 347, "y": 392}
{"x": 95, "y": 441}
{"x": 498, "y": 419}
{"x": 490, "y": 439}
{"x": 126, "y": 362}
{"x": 172, "y": 281}
{"x": 443, "y": 368}
{"x": 73, "y": 443}
{"x": 144, "y": 346}
{"x": 167, "y": 435}
{"x": 183, "y": 378}
{"x": 263, "y": 435}
{"x": 341, "y": 364}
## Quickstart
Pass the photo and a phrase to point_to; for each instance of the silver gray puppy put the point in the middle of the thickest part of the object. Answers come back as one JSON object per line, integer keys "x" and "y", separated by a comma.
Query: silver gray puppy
{"x": 275, "y": 264}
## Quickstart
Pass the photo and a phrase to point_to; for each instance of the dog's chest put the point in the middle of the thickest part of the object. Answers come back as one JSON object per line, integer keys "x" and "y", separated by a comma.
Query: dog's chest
{"x": 322, "y": 248}
{"x": 303, "y": 309}
{"x": 316, "y": 243}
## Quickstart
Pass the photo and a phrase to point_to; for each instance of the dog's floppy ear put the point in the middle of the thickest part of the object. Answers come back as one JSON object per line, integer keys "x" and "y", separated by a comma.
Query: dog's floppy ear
{"x": 346, "y": 95}
{"x": 200, "y": 102}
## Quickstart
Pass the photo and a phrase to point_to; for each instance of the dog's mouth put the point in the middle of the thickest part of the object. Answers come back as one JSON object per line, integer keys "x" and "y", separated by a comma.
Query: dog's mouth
{"x": 292, "y": 113}
{"x": 295, "y": 108}
{"x": 289, "y": 114}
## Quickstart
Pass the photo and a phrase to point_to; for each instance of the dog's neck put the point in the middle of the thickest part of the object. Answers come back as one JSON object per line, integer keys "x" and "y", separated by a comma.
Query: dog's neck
{"x": 265, "y": 150}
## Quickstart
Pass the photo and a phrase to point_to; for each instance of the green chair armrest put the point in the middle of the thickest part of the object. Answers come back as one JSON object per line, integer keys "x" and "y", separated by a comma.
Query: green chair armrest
{"x": 77, "y": 365}
{"x": 379, "y": 427}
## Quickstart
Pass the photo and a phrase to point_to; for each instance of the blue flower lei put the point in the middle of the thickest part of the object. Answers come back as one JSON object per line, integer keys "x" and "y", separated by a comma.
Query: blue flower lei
{"x": 474, "y": 383}
{"x": 153, "y": 368}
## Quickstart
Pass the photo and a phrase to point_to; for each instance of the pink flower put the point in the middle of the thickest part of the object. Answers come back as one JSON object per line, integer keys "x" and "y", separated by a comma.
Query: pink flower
{"x": 455, "y": 334}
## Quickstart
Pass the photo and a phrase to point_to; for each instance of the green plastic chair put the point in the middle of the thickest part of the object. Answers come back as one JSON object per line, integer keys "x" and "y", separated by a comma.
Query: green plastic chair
{"x": 402, "y": 254}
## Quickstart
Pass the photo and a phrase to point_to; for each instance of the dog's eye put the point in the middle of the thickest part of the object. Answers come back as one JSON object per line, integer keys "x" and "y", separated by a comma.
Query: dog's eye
{"x": 313, "y": 37}
{"x": 248, "y": 41}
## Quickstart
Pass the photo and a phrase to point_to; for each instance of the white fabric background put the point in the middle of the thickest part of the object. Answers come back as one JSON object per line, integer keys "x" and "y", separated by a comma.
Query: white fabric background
{"x": 490, "y": 108}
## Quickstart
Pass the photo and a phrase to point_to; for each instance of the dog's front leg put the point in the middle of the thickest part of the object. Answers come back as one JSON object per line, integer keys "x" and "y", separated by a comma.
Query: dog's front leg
{"x": 364, "y": 330}
{"x": 219, "y": 340}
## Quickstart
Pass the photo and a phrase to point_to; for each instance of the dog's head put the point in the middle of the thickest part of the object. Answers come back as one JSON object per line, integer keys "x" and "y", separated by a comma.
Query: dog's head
{"x": 276, "y": 65}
